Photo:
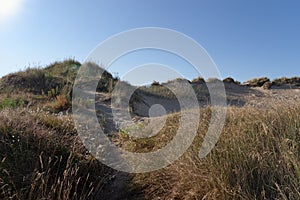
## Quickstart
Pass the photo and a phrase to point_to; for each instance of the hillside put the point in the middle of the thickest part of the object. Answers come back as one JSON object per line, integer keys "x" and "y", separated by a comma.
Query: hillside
{"x": 42, "y": 156}
{"x": 49, "y": 87}
{"x": 42, "y": 85}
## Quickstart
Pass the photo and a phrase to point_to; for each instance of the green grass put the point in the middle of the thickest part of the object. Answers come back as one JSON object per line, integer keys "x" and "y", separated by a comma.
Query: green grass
{"x": 12, "y": 103}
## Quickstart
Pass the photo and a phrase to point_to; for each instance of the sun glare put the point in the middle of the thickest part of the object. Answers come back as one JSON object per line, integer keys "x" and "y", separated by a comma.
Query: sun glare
{"x": 9, "y": 8}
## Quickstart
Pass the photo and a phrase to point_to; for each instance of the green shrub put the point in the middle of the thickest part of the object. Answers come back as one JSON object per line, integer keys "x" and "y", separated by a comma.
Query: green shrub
{"x": 12, "y": 103}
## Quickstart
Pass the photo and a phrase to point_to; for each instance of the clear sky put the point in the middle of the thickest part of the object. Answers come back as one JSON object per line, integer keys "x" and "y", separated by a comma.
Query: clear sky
{"x": 246, "y": 39}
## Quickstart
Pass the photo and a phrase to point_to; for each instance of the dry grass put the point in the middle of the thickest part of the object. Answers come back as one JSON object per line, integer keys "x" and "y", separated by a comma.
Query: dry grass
{"x": 287, "y": 81}
{"x": 257, "y": 82}
{"x": 257, "y": 157}
{"x": 41, "y": 157}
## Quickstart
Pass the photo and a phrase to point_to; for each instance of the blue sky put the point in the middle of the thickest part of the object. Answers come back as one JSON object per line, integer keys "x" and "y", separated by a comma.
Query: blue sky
{"x": 246, "y": 39}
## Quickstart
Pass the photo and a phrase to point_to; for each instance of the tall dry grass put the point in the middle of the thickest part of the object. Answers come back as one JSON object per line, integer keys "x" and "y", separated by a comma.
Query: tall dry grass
{"x": 41, "y": 157}
{"x": 256, "y": 157}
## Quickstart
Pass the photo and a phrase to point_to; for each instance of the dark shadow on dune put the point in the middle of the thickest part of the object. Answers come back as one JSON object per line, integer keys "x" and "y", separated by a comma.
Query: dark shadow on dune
{"x": 285, "y": 87}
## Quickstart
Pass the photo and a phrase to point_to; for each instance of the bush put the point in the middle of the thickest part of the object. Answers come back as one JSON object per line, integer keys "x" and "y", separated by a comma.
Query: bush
{"x": 198, "y": 80}
{"x": 155, "y": 83}
{"x": 287, "y": 81}
{"x": 62, "y": 102}
{"x": 257, "y": 82}
{"x": 12, "y": 103}
{"x": 58, "y": 104}
{"x": 231, "y": 80}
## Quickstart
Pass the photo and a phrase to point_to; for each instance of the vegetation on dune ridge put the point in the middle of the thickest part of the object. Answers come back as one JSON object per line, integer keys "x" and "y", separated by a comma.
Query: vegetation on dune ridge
{"x": 59, "y": 76}
{"x": 284, "y": 80}
{"x": 50, "y": 87}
